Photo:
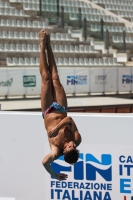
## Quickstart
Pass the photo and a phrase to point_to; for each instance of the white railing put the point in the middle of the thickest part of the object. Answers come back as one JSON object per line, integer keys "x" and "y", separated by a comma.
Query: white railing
{"x": 27, "y": 81}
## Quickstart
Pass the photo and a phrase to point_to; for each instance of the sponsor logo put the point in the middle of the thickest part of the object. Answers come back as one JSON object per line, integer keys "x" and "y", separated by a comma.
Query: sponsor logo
{"x": 127, "y": 79}
{"x": 103, "y": 167}
{"x": 101, "y": 79}
{"x": 29, "y": 81}
{"x": 76, "y": 80}
{"x": 92, "y": 165}
{"x": 7, "y": 83}
{"x": 85, "y": 174}
{"x": 97, "y": 176}
{"x": 125, "y": 173}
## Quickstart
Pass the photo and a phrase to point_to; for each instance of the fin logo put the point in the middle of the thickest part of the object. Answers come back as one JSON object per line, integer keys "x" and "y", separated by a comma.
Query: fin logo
{"x": 88, "y": 166}
{"x": 127, "y": 79}
{"x": 77, "y": 80}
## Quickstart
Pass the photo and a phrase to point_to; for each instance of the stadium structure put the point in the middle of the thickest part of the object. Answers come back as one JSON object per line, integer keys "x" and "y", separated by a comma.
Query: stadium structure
{"x": 92, "y": 44}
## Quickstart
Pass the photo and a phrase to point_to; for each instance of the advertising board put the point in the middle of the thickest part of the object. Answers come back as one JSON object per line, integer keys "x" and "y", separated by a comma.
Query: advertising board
{"x": 27, "y": 81}
{"x": 97, "y": 79}
{"x": 104, "y": 170}
{"x": 82, "y": 77}
{"x": 67, "y": 78}
{"x": 112, "y": 80}
{"x": 5, "y": 82}
{"x": 125, "y": 79}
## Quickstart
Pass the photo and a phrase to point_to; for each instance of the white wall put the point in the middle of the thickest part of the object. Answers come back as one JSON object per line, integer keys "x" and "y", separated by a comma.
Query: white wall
{"x": 23, "y": 144}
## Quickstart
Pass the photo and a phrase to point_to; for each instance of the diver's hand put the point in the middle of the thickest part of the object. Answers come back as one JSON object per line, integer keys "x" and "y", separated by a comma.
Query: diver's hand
{"x": 61, "y": 176}
{"x": 42, "y": 37}
{"x": 53, "y": 132}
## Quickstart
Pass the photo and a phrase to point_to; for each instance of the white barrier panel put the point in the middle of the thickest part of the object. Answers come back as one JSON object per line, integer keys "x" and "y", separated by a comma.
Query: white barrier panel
{"x": 111, "y": 80}
{"x": 20, "y": 81}
{"x": 103, "y": 172}
{"x": 7, "y": 199}
{"x": 67, "y": 78}
{"x": 125, "y": 79}
{"x": 82, "y": 80}
{"x": 97, "y": 79}
{"x": 16, "y": 77}
{"x": 32, "y": 81}
{"x": 4, "y": 82}
{"x": 132, "y": 78}
{"x": 27, "y": 81}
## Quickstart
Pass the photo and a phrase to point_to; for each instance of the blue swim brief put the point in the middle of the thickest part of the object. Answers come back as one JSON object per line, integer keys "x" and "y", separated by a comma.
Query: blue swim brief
{"x": 55, "y": 107}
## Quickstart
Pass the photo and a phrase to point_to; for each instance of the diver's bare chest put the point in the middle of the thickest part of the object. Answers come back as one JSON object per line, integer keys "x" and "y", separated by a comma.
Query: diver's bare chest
{"x": 63, "y": 136}
{"x": 52, "y": 120}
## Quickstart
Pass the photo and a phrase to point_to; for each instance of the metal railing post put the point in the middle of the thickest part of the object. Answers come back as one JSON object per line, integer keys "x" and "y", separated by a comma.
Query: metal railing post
{"x": 58, "y": 9}
{"x": 124, "y": 42}
{"x": 107, "y": 39}
{"x": 102, "y": 33}
{"x": 62, "y": 17}
{"x": 85, "y": 29}
{"x": 40, "y": 8}
{"x": 80, "y": 19}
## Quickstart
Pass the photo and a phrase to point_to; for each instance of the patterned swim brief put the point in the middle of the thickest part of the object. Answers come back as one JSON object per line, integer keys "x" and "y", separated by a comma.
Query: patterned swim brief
{"x": 55, "y": 107}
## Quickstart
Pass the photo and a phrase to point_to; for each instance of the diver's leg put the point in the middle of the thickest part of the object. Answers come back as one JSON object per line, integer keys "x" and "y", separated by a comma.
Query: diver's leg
{"x": 46, "y": 87}
{"x": 59, "y": 93}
